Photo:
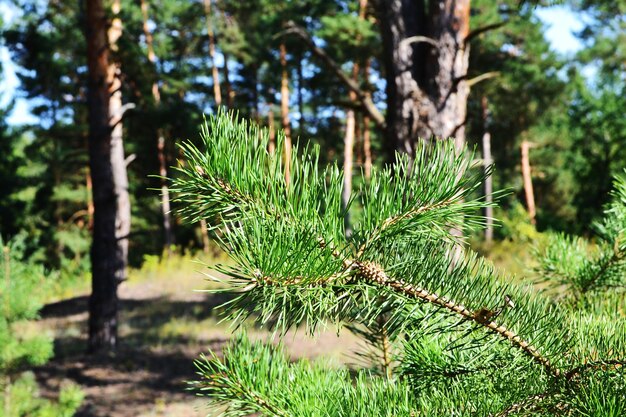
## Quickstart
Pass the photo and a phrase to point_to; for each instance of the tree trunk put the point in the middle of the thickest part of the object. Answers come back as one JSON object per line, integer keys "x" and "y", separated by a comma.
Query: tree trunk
{"x": 217, "y": 92}
{"x": 528, "y": 181}
{"x": 284, "y": 110}
{"x": 111, "y": 226}
{"x": 168, "y": 234}
{"x": 90, "y": 208}
{"x": 216, "y": 78}
{"x": 487, "y": 161}
{"x": 426, "y": 59}
{"x": 367, "y": 142}
{"x": 347, "y": 166}
{"x": 300, "y": 97}
{"x": 348, "y": 152}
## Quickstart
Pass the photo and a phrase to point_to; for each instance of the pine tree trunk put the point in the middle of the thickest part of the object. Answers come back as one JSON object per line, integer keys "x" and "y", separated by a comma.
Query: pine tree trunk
{"x": 426, "y": 59}
{"x": 90, "y": 208}
{"x": 300, "y": 98}
{"x": 367, "y": 148}
{"x": 487, "y": 161}
{"x": 156, "y": 95}
{"x": 367, "y": 141}
{"x": 284, "y": 110}
{"x": 528, "y": 181}
{"x": 347, "y": 166}
{"x": 217, "y": 92}
{"x": 348, "y": 152}
{"x": 111, "y": 227}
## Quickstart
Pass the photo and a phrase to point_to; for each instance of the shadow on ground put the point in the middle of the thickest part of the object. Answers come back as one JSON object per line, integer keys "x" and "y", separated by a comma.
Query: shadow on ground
{"x": 160, "y": 338}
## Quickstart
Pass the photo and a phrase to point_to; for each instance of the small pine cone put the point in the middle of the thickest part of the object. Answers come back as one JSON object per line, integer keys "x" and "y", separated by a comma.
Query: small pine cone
{"x": 372, "y": 272}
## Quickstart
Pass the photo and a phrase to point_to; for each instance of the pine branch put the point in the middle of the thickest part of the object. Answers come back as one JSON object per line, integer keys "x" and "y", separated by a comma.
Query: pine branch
{"x": 256, "y": 378}
{"x": 389, "y": 222}
{"x": 375, "y": 274}
{"x": 566, "y": 261}
{"x": 480, "y": 30}
{"x": 530, "y": 404}
{"x": 602, "y": 364}
{"x": 602, "y": 266}
{"x": 394, "y": 276}
{"x": 284, "y": 241}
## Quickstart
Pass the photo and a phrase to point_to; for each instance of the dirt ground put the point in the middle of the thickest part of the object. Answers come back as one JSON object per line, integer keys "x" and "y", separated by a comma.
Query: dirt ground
{"x": 164, "y": 326}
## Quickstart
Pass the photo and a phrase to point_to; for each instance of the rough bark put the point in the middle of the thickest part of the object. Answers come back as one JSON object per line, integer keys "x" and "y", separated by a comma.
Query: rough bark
{"x": 348, "y": 152}
{"x": 217, "y": 92}
{"x": 300, "y": 97}
{"x": 284, "y": 110}
{"x": 367, "y": 142}
{"x": 487, "y": 161}
{"x": 426, "y": 59}
{"x": 168, "y": 234}
{"x": 90, "y": 208}
{"x": 111, "y": 224}
{"x": 528, "y": 181}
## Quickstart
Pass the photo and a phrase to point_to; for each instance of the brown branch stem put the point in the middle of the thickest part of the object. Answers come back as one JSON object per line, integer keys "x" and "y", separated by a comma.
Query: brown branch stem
{"x": 592, "y": 365}
{"x": 363, "y": 96}
{"x": 390, "y": 221}
{"x": 375, "y": 274}
{"x": 480, "y": 30}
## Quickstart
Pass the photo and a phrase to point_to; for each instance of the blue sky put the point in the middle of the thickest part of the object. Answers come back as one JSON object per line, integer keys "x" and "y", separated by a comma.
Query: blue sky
{"x": 561, "y": 23}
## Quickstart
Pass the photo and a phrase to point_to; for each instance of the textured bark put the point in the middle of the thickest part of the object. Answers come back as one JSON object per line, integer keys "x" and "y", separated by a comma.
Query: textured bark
{"x": 426, "y": 59}
{"x": 528, "y": 181}
{"x": 348, "y": 152}
{"x": 300, "y": 97}
{"x": 109, "y": 251}
{"x": 284, "y": 110}
{"x": 90, "y": 208}
{"x": 367, "y": 141}
{"x": 367, "y": 148}
{"x": 487, "y": 161}
{"x": 118, "y": 161}
{"x": 168, "y": 234}
{"x": 217, "y": 92}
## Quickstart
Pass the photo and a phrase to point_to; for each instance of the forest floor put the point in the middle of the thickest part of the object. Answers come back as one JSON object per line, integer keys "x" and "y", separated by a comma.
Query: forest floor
{"x": 164, "y": 326}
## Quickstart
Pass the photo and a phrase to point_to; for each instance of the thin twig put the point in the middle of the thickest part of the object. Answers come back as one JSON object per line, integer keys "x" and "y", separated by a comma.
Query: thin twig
{"x": 374, "y": 273}
{"x": 593, "y": 365}
{"x": 363, "y": 96}
{"x": 390, "y": 221}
